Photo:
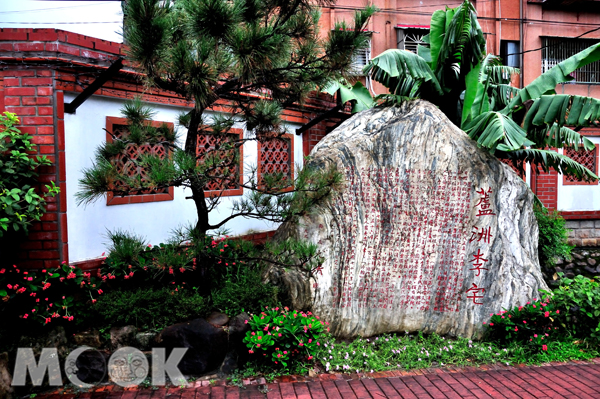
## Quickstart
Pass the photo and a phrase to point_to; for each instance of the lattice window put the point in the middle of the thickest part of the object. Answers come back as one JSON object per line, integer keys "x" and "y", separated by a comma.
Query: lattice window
{"x": 276, "y": 155}
{"x": 589, "y": 159}
{"x": 215, "y": 145}
{"x": 125, "y": 163}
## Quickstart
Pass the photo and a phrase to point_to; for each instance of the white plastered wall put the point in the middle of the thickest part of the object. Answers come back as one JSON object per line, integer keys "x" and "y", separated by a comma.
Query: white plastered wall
{"x": 578, "y": 197}
{"x": 87, "y": 225}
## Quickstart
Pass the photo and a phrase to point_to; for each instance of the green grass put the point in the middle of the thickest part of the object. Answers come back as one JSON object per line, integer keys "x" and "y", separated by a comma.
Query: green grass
{"x": 393, "y": 352}
{"x": 407, "y": 351}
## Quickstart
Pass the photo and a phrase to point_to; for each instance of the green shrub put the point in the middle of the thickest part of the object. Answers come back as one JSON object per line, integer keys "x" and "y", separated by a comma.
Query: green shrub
{"x": 552, "y": 242}
{"x": 150, "y": 308}
{"x": 244, "y": 291}
{"x": 531, "y": 325}
{"x": 20, "y": 202}
{"x": 283, "y": 337}
{"x": 579, "y": 302}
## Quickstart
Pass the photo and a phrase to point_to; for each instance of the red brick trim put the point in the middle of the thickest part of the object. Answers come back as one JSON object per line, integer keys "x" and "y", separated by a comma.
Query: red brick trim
{"x": 234, "y": 192}
{"x": 259, "y": 170}
{"x": 583, "y": 183}
{"x": 111, "y": 199}
{"x": 575, "y": 215}
{"x": 61, "y": 165}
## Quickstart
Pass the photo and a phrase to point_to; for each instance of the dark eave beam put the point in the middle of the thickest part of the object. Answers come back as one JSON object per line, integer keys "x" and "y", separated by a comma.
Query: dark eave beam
{"x": 115, "y": 67}
{"x": 333, "y": 111}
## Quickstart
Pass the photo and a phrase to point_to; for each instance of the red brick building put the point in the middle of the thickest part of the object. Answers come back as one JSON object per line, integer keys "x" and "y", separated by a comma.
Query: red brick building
{"x": 42, "y": 74}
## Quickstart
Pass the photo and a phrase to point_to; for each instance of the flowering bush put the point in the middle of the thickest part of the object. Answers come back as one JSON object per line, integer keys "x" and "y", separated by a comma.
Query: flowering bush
{"x": 282, "y": 336}
{"x": 531, "y": 324}
{"x": 60, "y": 292}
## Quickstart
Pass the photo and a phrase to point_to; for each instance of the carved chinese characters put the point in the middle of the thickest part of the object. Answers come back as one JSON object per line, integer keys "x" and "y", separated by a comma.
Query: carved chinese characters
{"x": 394, "y": 227}
{"x": 427, "y": 232}
{"x": 482, "y": 235}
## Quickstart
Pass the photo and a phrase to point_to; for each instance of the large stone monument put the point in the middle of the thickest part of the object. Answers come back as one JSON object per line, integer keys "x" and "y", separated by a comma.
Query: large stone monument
{"x": 428, "y": 232}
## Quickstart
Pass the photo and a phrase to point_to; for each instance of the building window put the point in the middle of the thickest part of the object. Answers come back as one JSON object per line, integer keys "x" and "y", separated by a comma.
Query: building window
{"x": 126, "y": 164}
{"x": 276, "y": 155}
{"x": 589, "y": 159}
{"x": 409, "y": 37}
{"x": 361, "y": 59}
{"x": 557, "y": 49}
{"x": 222, "y": 146}
{"x": 510, "y": 53}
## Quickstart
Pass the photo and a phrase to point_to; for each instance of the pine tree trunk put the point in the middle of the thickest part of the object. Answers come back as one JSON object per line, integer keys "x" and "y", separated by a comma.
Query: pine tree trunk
{"x": 202, "y": 225}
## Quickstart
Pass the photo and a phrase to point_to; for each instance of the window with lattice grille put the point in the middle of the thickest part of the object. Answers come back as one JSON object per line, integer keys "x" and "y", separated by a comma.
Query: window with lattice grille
{"x": 126, "y": 164}
{"x": 558, "y": 49}
{"x": 409, "y": 38}
{"x": 589, "y": 159}
{"x": 209, "y": 144}
{"x": 276, "y": 155}
{"x": 361, "y": 59}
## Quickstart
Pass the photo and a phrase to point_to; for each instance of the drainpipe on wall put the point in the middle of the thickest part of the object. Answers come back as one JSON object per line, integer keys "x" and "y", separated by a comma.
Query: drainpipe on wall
{"x": 521, "y": 45}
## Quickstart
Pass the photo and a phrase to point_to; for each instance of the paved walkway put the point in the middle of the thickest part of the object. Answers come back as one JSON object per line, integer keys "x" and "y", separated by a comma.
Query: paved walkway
{"x": 559, "y": 380}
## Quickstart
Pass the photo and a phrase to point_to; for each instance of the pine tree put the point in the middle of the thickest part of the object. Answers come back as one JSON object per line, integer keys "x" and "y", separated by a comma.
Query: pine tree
{"x": 253, "y": 57}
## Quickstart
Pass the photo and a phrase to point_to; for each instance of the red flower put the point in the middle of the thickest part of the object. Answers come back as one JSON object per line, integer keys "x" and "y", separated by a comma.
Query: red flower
{"x": 544, "y": 347}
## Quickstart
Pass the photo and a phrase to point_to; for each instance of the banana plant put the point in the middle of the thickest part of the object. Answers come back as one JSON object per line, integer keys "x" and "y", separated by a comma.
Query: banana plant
{"x": 473, "y": 89}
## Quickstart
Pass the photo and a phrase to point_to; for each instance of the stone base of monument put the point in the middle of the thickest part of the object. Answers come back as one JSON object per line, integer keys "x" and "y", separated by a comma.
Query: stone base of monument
{"x": 428, "y": 232}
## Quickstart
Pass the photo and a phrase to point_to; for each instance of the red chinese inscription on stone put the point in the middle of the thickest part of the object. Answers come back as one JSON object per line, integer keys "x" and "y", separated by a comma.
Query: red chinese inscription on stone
{"x": 395, "y": 226}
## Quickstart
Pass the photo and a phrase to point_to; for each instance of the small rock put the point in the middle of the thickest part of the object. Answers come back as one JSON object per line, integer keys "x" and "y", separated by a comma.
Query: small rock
{"x": 559, "y": 270}
{"x": 576, "y": 255}
{"x": 559, "y": 261}
{"x": 312, "y": 373}
{"x": 91, "y": 366}
{"x": 581, "y": 263}
{"x": 229, "y": 364}
{"x": 569, "y": 274}
{"x": 55, "y": 338}
{"x": 218, "y": 319}
{"x": 570, "y": 266}
{"x": 6, "y": 389}
{"x": 595, "y": 254}
{"x": 144, "y": 340}
{"x": 122, "y": 336}
{"x": 207, "y": 345}
{"x": 585, "y": 253}
{"x": 598, "y": 269}
{"x": 89, "y": 338}
{"x": 591, "y": 270}
{"x": 592, "y": 261}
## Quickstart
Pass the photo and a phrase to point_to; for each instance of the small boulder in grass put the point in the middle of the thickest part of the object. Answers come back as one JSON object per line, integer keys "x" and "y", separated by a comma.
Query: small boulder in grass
{"x": 206, "y": 345}
{"x": 218, "y": 319}
{"x": 123, "y": 336}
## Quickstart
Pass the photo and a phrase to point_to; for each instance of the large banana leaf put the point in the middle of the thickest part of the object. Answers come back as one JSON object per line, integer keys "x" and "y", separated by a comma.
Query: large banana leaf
{"x": 393, "y": 66}
{"x": 358, "y": 94}
{"x": 557, "y": 136}
{"x": 562, "y": 109}
{"x": 550, "y": 159}
{"x": 546, "y": 83}
{"x": 483, "y": 87}
{"x": 494, "y": 130}
{"x": 437, "y": 31}
{"x": 463, "y": 46}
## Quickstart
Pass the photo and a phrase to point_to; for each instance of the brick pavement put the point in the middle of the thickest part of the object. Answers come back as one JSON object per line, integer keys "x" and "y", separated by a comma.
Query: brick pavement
{"x": 575, "y": 379}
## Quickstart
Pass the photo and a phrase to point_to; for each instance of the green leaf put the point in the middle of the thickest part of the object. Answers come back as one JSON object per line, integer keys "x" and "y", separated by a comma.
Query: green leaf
{"x": 3, "y": 293}
{"x": 394, "y": 68}
{"x": 495, "y": 130}
{"x": 550, "y": 159}
{"x": 437, "y": 29}
{"x": 560, "y": 73}
{"x": 473, "y": 86}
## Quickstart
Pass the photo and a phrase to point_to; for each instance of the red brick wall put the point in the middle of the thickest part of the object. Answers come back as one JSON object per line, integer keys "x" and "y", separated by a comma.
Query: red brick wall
{"x": 29, "y": 93}
{"x": 545, "y": 186}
